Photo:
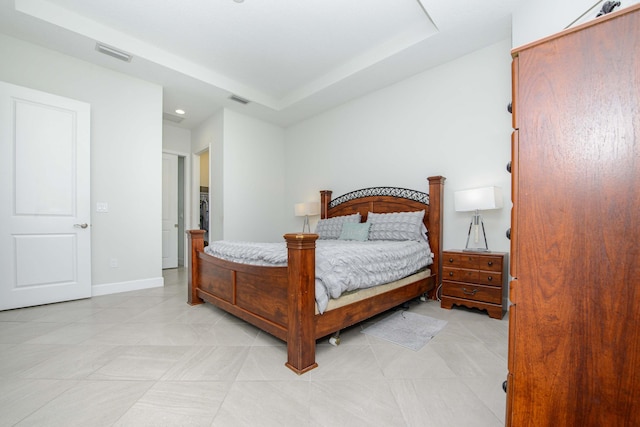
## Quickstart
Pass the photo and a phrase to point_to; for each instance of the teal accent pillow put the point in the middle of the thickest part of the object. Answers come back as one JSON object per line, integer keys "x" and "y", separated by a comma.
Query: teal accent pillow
{"x": 355, "y": 231}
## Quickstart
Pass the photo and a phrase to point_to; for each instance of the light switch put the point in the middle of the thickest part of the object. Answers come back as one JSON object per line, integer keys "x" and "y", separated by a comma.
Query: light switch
{"x": 102, "y": 207}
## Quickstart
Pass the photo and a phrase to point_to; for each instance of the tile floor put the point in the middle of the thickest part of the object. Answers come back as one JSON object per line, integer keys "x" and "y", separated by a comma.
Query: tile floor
{"x": 146, "y": 358}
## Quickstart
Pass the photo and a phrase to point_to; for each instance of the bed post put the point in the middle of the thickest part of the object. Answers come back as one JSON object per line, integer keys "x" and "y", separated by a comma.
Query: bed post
{"x": 196, "y": 244}
{"x": 301, "y": 340}
{"x": 325, "y": 199}
{"x": 436, "y": 194}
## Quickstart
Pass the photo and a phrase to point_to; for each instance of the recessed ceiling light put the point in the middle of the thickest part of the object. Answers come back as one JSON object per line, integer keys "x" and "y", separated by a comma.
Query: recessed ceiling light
{"x": 238, "y": 1}
{"x": 179, "y": 111}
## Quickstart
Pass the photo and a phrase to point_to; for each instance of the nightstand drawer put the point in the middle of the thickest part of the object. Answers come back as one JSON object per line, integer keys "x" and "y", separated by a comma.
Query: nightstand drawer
{"x": 472, "y": 276}
{"x": 481, "y": 262}
{"x": 490, "y": 278}
{"x": 474, "y": 292}
{"x": 460, "y": 275}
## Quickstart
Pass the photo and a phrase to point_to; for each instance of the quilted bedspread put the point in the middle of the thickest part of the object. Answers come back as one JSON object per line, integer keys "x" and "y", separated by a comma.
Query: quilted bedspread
{"x": 341, "y": 266}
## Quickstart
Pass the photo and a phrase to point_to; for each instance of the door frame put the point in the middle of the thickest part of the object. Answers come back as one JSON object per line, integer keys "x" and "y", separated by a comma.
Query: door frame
{"x": 186, "y": 191}
{"x": 195, "y": 188}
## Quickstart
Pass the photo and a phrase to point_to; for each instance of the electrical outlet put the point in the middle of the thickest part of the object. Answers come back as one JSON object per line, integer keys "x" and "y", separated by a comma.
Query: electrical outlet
{"x": 113, "y": 263}
{"x": 102, "y": 207}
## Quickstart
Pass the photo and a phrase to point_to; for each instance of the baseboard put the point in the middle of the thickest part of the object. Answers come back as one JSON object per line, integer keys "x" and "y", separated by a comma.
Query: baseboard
{"x": 133, "y": 285}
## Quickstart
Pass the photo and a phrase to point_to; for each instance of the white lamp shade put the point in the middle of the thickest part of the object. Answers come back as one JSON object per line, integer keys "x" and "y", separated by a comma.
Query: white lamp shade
{"x": 484, "y": 198}
{"x": 308, "y": 208}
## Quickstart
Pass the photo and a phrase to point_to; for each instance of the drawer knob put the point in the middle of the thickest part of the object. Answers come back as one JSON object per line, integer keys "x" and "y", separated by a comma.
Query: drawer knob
{"x": 467, "y": 292}
{"x": 450, "y": 259}
{"x": 451, "y": 273}
{"x": 490, "y": 278}
{"x": 490, "y": 263}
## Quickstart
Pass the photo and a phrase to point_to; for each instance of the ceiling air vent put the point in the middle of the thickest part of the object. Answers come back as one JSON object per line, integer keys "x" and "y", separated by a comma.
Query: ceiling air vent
{"x": 239, "y": 99}
{"x": 172, "y": 118}
{"x": 113, "y": 52}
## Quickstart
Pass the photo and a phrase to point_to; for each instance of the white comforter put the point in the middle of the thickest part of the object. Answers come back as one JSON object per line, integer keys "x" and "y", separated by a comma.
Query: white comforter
{"x": 341, "y": 265}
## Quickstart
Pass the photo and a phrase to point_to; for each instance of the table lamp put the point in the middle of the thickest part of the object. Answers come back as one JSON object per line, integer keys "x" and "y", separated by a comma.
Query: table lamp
{"x": 476, "y": 200}
{"x": 306, "y": 209}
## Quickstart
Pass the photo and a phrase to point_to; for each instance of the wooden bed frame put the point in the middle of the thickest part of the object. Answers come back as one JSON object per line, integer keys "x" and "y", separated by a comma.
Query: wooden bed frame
{"x": 281, "y": 300}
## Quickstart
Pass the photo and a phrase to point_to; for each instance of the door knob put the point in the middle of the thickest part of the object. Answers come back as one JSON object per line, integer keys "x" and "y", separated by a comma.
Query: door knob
{"x": 84, "y": 225}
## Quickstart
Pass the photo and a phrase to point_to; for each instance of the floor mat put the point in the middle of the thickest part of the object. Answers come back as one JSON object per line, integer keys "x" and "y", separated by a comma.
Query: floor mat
{"x": 407, "y": 329}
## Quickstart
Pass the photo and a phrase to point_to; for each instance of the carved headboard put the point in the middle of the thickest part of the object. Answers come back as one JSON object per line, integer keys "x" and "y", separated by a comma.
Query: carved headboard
{"x": 393, "y": 199}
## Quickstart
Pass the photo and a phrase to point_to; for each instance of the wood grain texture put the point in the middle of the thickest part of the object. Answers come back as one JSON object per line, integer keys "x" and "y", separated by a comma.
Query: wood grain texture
{"x": 475, "y": 280}
{"x": 574, "y": 344}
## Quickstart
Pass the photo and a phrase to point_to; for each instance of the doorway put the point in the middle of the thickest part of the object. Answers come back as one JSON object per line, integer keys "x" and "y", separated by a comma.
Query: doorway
{"x": 205, "y": 195}
{"x": 174, "y": 208}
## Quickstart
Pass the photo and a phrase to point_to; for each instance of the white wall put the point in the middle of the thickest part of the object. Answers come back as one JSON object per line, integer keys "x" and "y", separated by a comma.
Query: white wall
{"x": 247, "y": 176}
{"x": 175, "y": 139}
{"x": 451, "y": 120}
{"x": 126, "y": 148}
{"x": 254, "y": 187}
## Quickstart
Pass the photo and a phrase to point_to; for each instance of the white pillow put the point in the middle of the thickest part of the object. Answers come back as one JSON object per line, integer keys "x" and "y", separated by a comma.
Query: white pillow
{"x": 397, "y": 226}
{"x": 330, "y": 228}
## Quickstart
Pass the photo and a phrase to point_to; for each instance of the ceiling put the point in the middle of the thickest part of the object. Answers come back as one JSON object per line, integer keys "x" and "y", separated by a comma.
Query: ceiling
{"x": 290, "y": 59}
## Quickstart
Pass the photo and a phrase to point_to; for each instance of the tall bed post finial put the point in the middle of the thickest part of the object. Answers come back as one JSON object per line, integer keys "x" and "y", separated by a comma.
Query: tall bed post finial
{"x": 325, "y": 199}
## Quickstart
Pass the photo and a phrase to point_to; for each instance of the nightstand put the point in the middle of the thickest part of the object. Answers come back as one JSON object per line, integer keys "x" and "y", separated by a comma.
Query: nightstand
{"x": 475, "y": 280}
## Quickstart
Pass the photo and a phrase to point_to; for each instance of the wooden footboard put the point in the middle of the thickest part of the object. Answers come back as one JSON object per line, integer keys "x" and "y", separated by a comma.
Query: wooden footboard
{"x": 278, "y": 300}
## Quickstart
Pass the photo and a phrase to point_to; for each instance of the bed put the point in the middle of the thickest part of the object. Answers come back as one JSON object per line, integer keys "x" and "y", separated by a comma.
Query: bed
{"x": 281, "y": 300}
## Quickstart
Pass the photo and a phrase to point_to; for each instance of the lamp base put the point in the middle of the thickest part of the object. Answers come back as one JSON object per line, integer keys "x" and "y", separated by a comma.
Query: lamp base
{"x": 476, "y": 224}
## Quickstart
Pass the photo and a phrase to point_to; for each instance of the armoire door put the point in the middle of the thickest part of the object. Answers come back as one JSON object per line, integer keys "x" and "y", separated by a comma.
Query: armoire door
{"x": 574, "y": 353}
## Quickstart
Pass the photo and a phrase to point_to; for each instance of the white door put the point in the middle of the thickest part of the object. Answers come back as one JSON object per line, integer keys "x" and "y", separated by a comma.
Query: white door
{"x": 45, "y": 238}
{"x": 169, "y": 210}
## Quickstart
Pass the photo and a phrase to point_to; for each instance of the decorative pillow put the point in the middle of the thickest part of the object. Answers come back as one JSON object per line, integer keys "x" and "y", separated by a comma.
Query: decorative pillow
{"x": 396, "y": 226}
{"x": 330, "y": 228}
{"x": 355, "y": 231}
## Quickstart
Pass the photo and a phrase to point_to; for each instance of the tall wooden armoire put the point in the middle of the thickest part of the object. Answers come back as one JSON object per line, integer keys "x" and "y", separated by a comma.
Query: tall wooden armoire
{"x": 574, "y": 326}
